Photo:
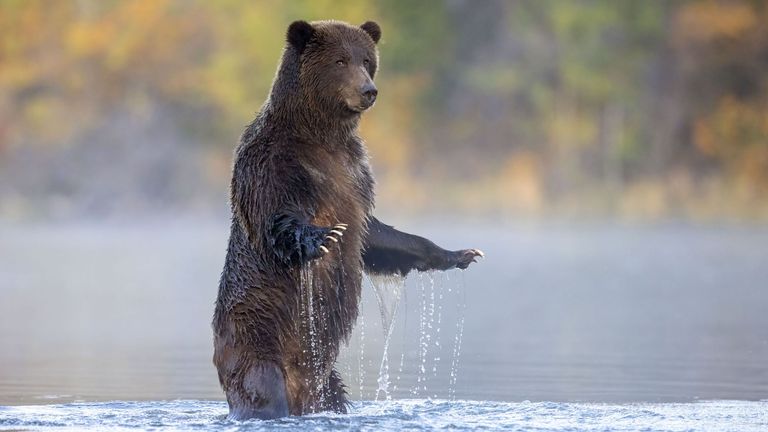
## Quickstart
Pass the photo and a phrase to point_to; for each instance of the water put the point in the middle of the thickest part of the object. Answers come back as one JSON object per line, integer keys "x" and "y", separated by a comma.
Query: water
{"x": 399, "y": 415}
{"x": 602, "y": 328}
{"x": 388, "y": 291}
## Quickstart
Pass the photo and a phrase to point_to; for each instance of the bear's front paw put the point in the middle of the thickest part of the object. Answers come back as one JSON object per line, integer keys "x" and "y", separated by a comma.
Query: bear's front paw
{"x": 467, "y": 256}
{"x": 334, "y": 235}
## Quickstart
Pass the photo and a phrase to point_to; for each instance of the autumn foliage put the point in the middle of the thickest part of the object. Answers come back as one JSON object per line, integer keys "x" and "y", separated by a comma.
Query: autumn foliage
{"x": 633, "y": 109}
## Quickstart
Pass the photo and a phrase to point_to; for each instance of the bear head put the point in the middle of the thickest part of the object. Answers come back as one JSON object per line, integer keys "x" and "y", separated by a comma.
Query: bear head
{"x": 337, "y": 63}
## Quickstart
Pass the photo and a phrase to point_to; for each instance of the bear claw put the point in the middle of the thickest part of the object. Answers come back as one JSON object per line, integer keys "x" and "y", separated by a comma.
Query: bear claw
{"x": 468, "y": 256}
{"x": 333, "y": 236}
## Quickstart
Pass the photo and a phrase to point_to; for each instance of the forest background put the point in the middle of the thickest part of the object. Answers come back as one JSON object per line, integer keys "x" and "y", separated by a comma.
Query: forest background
{"x": 629, "y": 110}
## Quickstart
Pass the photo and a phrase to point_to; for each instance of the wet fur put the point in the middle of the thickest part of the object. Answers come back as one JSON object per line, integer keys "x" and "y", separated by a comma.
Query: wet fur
{"x": 299, "y": 169}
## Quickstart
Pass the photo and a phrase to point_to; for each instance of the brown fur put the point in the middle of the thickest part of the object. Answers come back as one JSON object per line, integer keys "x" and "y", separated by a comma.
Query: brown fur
{"x": 301, "y": 155}
{"x": 284, "y": 304}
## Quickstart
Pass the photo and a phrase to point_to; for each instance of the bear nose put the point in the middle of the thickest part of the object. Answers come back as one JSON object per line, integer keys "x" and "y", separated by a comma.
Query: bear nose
{"x": 370, "y": 92}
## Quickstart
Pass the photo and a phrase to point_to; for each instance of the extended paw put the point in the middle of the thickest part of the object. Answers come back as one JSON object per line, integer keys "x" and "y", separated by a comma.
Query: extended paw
{"x": 334, "y": 235}
{"x": 467, "y": 256}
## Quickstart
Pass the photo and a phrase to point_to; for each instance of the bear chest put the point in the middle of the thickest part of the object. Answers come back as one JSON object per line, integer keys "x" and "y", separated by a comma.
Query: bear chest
{"x": 343, "y": 188}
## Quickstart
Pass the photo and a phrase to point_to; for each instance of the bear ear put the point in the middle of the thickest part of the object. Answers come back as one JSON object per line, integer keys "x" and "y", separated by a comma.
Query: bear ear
{"x": 299, "y": 33}
{"x": 373, "y": 30}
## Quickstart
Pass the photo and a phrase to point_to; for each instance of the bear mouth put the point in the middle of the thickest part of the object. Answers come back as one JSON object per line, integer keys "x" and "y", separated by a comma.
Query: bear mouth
{"x": 359, "y": 108}
{"x": 358, "y": 105}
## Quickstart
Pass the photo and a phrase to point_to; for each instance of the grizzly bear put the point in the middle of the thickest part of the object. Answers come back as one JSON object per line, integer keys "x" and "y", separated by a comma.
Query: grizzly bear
{"x": 302, "y": 231}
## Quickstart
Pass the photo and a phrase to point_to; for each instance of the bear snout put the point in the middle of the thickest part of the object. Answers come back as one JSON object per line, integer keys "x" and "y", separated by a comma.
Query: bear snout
{"x": 369, "y": 92}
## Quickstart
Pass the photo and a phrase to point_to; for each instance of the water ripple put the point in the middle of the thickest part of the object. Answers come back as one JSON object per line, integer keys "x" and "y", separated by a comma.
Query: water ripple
{"x": 414, "y": 414}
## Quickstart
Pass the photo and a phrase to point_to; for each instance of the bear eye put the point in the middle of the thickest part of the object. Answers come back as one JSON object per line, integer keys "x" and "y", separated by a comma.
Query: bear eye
{"x": 340, "y": 62}
{"x": 366, "y": 62}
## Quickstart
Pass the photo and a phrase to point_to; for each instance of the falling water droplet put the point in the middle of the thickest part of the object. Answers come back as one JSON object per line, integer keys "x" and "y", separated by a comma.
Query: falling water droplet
{"x": 361, "y": 358}
{"x": 387, "y": 292}
{"x": 457, "y": 341}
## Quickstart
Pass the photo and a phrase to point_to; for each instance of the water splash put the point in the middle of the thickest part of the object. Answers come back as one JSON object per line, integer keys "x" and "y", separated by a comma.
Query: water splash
{"x": 348, "y": 362}
{"x": 427, "y": 335}
{"x": 424, "y": 415}
{"x": 461, "y": 311}
{"x": 388, "y": 291}
{"x": 361, "y": 357}
{"x": 428, "y": 354}
{"x": 313, "y": 327}
{"x": 404, "y": 340}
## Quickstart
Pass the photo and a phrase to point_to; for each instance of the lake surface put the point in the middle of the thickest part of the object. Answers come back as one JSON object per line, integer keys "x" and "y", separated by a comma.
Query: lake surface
{"x": 596, "y": 327}
{"x": 412, "y": 415}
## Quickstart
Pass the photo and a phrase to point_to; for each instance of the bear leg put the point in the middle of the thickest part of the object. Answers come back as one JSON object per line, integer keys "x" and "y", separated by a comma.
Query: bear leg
{"x": 261, "y": 394}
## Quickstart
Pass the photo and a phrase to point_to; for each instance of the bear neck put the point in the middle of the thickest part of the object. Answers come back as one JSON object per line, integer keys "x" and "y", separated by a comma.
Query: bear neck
{"x": 290, "y": 107}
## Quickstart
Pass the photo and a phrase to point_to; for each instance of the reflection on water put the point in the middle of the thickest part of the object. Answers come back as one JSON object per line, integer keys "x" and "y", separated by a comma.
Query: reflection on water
{"x": 554, "y": 313}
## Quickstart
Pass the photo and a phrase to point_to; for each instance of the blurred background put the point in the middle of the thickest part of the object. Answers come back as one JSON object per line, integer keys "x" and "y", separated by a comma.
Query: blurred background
{"x": 610, "y": 157}
{"x": 647, "y": 110}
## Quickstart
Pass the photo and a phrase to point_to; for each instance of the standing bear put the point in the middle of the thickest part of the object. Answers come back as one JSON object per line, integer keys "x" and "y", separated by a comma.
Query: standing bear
{"x": 302, "y": 231}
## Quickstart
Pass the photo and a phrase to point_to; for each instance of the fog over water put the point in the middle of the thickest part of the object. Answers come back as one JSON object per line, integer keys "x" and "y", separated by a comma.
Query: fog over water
{"x": 554, "y": 313}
